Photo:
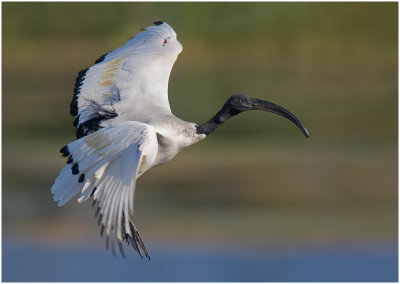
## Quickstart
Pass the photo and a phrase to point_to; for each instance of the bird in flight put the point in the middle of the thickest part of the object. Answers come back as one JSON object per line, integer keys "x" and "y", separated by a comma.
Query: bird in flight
{"x": 124, "y": 127}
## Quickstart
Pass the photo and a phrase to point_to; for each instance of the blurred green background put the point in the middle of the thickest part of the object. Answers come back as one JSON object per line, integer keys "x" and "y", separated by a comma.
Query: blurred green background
{"x": 256, "y": 180}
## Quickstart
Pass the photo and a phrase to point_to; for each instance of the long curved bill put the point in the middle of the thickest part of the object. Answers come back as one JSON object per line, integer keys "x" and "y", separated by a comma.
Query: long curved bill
{"x": 274, "y": 108}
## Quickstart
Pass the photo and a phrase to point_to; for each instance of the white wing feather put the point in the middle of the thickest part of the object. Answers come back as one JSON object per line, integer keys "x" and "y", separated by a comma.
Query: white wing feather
{"x": 128, "y": 83}
{"x": 113, "y": 102}
{"x": 109, "y": 160}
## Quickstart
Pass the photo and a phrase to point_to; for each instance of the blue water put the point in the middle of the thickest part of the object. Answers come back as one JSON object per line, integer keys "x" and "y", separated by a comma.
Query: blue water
{"x": 376, "y": 262}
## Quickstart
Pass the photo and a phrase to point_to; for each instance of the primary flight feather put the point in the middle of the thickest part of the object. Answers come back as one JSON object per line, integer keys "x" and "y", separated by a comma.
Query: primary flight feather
{"x": 125, "y": 127}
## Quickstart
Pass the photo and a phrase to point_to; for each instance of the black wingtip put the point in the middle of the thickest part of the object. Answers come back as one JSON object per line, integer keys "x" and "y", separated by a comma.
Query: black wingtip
{"x": 65, "y": 151}
{"x": 81, "y": 178}
{"x": 70, "y": 160}
{"x": 100, "y": 59}
{"x": 157, "y": 23}
{"x": 75, "y": 169}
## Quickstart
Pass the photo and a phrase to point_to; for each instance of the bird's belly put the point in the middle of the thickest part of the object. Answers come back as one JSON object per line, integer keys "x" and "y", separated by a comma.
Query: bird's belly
{"x": 164, "y": 155}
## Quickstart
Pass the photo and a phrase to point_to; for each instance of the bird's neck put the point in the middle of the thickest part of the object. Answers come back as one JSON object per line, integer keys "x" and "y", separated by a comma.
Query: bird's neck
{"x": 223, "y": 115}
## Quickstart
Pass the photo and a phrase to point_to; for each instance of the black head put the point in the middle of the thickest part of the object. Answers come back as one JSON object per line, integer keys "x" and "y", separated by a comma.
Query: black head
{"x": 240, "y": 103}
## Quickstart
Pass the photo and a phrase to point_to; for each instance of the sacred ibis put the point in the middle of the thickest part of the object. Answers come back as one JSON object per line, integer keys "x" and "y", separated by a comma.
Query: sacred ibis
{"x": 125, "y": 127}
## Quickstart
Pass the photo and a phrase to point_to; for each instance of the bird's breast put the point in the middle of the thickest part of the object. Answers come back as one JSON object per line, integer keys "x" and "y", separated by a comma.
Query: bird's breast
{"x": 173, "y": 137}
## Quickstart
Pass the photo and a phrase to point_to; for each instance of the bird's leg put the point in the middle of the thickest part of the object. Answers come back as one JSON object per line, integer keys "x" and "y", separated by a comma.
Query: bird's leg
{"x": 134, "y": 239}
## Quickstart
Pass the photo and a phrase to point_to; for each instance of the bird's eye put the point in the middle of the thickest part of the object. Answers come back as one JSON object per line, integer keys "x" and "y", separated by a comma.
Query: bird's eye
{"x": 164, "y": 42}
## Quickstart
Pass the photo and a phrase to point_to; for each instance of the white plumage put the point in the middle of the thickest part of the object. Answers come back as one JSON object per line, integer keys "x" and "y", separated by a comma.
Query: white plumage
{"x": 120, "y": 103}
{"x": 133, "y": 79}
{"x": 125, "y": 127}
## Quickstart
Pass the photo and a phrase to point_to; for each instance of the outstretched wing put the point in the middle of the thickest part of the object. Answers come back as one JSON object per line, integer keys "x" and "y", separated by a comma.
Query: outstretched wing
{"x": 105, "y": 165}
{"x": 128, "y": 83}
